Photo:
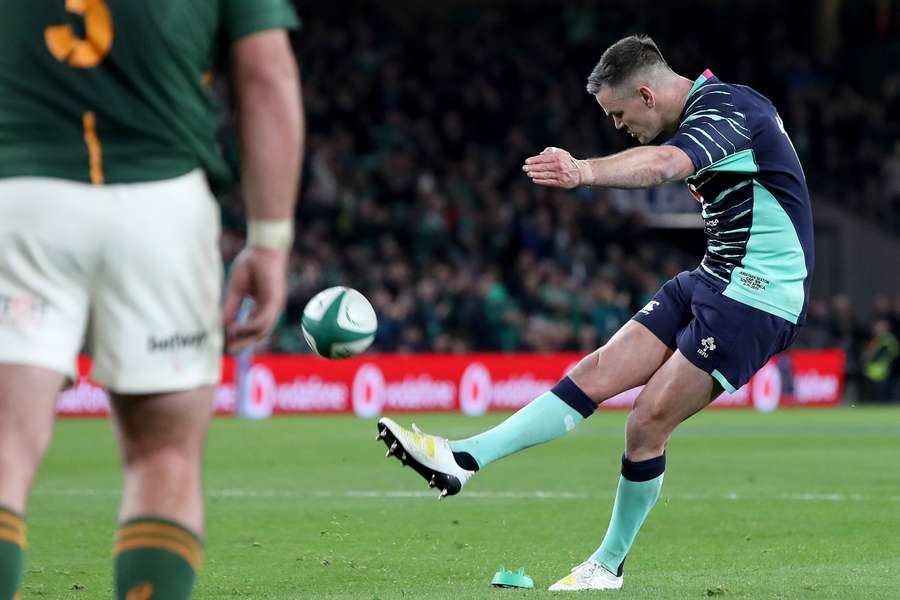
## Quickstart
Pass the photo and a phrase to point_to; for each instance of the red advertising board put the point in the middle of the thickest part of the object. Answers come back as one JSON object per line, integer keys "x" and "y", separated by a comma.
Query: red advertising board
{"x": 472, "y": 384}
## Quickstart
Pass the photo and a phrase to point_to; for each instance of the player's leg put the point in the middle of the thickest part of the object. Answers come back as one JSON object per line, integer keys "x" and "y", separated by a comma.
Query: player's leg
{"x": 43, "y": 310}
{"x": 721, "y": 348}
{"x": 157, "y": 340}
{"x": 27, "y": 403}
{"x": 675, "y": 392}
{"x": 628, "y": 360}
{"x": 159, "y": 544}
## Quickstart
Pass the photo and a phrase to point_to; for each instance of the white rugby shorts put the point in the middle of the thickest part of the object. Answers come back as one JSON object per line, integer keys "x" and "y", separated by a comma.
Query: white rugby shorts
{"x": 131, "y": 272}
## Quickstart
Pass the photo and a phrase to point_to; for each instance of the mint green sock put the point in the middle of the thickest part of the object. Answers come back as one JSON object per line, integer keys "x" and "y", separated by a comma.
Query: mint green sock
{"x": 12, "y": 543}
{"x": 545, "y": 418}
{"x": 638, "y": 490}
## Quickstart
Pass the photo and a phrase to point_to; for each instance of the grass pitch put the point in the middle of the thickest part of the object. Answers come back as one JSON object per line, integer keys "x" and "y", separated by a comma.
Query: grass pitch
{"x": 794, "y": 504}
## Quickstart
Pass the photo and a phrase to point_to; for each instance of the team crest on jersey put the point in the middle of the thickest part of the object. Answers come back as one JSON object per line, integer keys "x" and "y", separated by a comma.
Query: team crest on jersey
{"x": 707, "y": 345}
{"x": 650, "y": 306}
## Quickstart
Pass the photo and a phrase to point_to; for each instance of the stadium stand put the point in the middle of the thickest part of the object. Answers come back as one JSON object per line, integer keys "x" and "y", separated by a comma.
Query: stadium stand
{"x": 424, "y": 209}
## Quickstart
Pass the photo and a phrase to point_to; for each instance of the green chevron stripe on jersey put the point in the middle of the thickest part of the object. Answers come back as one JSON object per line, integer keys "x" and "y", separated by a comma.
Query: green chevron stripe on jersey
{"x": 739, "y": 162}
{"x": 774, "y": 267}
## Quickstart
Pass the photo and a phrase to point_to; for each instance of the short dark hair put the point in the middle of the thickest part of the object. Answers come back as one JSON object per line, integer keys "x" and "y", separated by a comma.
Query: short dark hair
{"x": 621, "y": 60}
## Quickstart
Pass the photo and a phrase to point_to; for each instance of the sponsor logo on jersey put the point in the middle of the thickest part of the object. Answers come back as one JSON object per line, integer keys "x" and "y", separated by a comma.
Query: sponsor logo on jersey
{"x": 649, "y": 308}
{"x": 707, "y": 345}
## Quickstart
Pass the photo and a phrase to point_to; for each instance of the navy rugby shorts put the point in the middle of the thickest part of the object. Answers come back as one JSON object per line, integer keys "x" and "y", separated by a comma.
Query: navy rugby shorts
{"x": 726, "y": 338}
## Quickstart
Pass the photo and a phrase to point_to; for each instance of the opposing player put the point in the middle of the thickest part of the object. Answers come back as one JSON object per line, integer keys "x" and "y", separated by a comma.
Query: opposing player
{"x": 109, "y": 235}
{"x": 706, "y": 330}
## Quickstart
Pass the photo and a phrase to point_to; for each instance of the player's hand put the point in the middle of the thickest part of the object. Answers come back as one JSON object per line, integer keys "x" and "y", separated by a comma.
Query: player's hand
{"x": 555, "y": 167}
{"x": 260, "y": 274}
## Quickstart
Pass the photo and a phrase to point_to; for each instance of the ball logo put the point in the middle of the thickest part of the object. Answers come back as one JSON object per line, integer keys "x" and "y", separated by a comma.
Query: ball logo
{"x": 369, "y": 391}
{"x": 261, "y": 391}
{"x": 766, "y": 392}
{"x": 475, "y": 390}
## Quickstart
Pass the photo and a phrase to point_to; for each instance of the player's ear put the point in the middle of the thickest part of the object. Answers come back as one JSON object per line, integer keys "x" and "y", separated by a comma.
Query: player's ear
{"x": 647, "y": 96}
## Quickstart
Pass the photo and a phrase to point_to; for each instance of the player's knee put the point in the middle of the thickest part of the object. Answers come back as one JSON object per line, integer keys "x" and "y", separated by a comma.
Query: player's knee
{"x": 23, "y": 452}
{"x": 165, "y": 456}
{"x": 649, "y": 417}
{"x": 645, "y": 436}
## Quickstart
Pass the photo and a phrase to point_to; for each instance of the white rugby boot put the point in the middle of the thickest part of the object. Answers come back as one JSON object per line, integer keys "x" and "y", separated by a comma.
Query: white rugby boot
{"x": 589, "y": 575}
{"x": 429, "y": 455}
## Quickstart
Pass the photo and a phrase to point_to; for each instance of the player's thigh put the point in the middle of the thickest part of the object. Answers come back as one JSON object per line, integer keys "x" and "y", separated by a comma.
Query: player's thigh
{"x": 640, "y": 347}
{"x": 626, "y": 361}
{"x": 676, "y": 391}
{"x": 48, "y": 241}
{"x": 172, "y": 422}
{"x": 155, "y": 321}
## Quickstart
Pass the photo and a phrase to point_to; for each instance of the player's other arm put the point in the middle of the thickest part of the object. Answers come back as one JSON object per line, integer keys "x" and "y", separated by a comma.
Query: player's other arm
{"x": 645, "y": 166}
{"x": 270, "y": 115}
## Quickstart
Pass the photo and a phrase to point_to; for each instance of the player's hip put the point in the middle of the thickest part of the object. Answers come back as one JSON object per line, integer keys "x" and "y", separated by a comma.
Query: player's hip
{"x": 727, "y": 338}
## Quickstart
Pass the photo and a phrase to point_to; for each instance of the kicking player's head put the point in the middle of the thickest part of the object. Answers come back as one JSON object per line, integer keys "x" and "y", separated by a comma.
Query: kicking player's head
{"x": 630, "y": 83}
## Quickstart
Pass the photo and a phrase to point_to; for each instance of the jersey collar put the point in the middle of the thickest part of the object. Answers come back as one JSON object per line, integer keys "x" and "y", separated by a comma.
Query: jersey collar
{"x": 704, "y": 77}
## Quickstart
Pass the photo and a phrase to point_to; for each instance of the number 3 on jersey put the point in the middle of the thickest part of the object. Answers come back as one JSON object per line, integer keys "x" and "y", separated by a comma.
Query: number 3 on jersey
{"x": 80, "y": 53}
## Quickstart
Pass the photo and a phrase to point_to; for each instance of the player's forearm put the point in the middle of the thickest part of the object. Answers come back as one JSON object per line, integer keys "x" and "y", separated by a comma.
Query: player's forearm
{"x": 272, "y": 136}
{"x": 641, "y": 167}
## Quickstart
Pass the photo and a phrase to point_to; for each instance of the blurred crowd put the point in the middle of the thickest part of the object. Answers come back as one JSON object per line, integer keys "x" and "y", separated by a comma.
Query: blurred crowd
{"x": 420, "y": 116}
{"x": 871, "y": 346}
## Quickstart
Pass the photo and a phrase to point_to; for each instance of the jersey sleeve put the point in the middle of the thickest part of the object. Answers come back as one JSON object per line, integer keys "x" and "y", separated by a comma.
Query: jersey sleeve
{"x": 241, "y": 18}
{"x": 712, "y": 130}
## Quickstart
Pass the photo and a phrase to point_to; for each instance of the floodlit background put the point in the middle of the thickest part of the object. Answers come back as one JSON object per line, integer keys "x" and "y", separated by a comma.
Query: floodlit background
{"x": 420, "y": 115}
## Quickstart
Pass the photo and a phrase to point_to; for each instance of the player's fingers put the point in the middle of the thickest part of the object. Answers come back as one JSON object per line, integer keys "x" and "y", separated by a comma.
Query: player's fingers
{"x": 232, "y": 302}
{"x": 240, "y": 335}
{"x": 548, "y": 181}
{"x": 260, "y": 320}
{"x": 543, "y": 172}
{"x": 539, "y": 159}
{"x": 236, "y": 344}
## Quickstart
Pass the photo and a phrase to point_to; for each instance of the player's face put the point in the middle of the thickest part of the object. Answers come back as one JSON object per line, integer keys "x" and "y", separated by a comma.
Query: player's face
{"x": 632, "y": 110}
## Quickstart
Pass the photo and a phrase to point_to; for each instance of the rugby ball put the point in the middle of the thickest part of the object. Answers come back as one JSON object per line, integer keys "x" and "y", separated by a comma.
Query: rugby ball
{"x": 339, "y": 323}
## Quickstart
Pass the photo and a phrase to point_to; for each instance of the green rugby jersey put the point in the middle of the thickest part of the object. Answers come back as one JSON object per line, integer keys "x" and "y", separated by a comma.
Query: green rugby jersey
{"x": 117, "y": 91}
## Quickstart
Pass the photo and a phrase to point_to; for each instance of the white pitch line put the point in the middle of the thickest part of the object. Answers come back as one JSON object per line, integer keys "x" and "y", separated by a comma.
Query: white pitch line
{"x": 509, "y": 495}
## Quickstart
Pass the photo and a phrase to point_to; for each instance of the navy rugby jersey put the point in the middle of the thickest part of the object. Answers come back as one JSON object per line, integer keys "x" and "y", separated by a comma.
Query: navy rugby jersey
{"x": 752, "y": 191}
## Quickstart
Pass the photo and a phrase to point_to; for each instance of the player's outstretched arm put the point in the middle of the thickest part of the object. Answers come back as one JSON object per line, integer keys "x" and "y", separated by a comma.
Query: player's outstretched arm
{"x": 641, "y": 167}
{"x": 267, "y": 82}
